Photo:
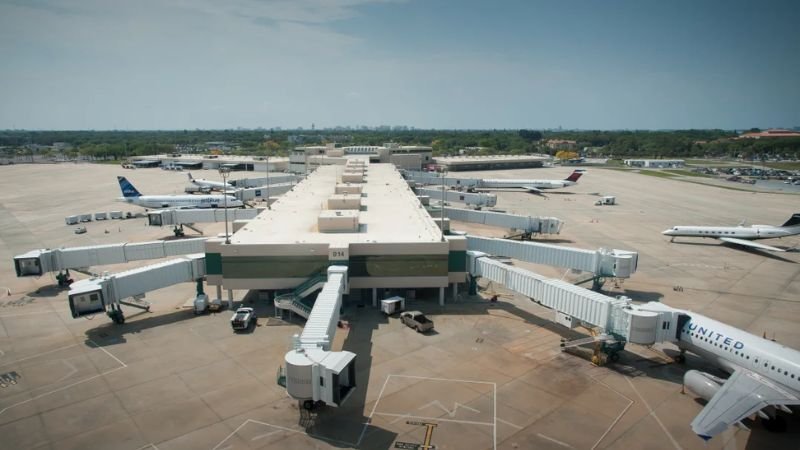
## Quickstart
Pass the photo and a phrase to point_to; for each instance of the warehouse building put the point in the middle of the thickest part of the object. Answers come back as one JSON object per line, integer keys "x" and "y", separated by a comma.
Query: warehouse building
{"x": 359, "y": 215}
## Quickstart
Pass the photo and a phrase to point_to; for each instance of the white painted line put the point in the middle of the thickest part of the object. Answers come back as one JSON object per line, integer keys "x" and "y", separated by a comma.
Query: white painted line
{"x": 123, "y": 366}
{"x": 279, "y": 428}
{"x": 555, "y": 441}
{"x": 148, "y": 446}
{"x": 107, "y": 353}
{"x": 26, "y": 314}
{"x": 262, "y": 436}
{"x": 374, "y": 407}
{"x": 494, "y": 407}
{"x": 442, "y": 379}
{"x": 37, "y": 355}
{"x": 73, "y": 371}
{"x": 510, "y": 424}
{"x": 452, "y": 413}
{"x": 614, "y": 423}
{"x": 438, "y": 419}
{"x": 57, "y": 390}
{"x": 653, "y": 413}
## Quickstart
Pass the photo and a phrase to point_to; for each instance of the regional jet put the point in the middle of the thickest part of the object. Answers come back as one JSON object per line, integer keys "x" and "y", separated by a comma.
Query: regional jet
{"x": 210, "y": 185}
{"x": 741, "y": 235}
{"x": 532, "y": 186}
{"x": 131, "y": 195}
{"x": 764, "y": 375}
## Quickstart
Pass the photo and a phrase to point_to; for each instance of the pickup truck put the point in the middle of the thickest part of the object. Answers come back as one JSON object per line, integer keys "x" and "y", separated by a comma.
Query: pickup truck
{"x": 417, "y": 321}
{"x": 243, "y": 318}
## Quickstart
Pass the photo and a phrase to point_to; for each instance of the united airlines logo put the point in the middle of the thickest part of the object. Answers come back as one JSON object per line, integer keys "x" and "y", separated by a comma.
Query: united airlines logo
{"x": 712, "y": 335}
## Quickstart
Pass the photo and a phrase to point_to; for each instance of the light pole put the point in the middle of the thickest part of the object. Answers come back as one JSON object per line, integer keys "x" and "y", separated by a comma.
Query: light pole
{"x": 268, "y": 207}
{"x": 224, "y": 171}
{"x": 444, "y": 172}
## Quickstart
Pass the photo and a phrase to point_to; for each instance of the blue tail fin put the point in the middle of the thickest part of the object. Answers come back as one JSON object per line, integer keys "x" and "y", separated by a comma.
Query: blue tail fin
{"x": 794, "y": 220}
{"x": 128, "y": 191}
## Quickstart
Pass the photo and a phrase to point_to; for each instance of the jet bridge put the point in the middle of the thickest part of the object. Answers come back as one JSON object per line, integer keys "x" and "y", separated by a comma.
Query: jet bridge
{"x": 108, "y": 292}
{"x": 429, "y": 178}
{"x": 191, "y": 216}
{"x": 525, "y": 225}
{"x": 38, "y": 262}
{"x": 602, "y": 262}
{"x": 274, "y": 179}
{"x": 315, "y": 375}
{"x": 616, "y": 320}
{"x": 470, "y": 198}
{"x": 274, "y": 190}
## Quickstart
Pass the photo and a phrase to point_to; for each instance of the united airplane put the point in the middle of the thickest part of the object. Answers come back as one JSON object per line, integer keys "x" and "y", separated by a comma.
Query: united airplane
{"x": 131, "y": 195}
{"x": 740, "y": 235}
{"x": 764, "y": 375}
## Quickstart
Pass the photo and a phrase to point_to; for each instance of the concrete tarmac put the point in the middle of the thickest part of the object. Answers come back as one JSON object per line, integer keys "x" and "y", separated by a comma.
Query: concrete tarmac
{"x": 490, "y": 376}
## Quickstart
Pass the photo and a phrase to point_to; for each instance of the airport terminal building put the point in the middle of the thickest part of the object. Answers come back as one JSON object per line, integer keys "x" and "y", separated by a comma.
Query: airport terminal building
{"x": 359, "y": 215}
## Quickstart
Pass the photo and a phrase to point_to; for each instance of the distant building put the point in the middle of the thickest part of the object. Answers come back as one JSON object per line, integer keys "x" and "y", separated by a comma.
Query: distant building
{"x": 771, "y": 133}
{"x": 493, "y": 162}
{"x": 656, "y": 163}
{"x": 411, "y": 157}
{"x": 561, "y": 144}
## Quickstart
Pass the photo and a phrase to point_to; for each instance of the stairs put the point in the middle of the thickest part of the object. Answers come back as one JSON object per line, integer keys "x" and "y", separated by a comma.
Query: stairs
{"x": 293, "y": 301}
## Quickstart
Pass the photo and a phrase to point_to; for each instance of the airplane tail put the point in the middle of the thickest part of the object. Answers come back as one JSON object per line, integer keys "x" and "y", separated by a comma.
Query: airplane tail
{"x": 128, "y": 191}
{"x": 574, "y": 176}
{"x": 190, "y": 176}
{"x": 794, "y": 220}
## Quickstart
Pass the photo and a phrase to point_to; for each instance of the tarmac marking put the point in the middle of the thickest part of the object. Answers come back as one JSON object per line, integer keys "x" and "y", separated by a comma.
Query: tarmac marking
{"x": 555, "y": 441}
{"x": 622, "y": 413}
{"x": 493, "y": 423}
{"x": 653, "y": 413}
{"x": 439, "y": 419}
{"x": 123, "y": 366}
{"x": 279, "y": 429}
{"x": 452, "y": 413}
{"x": 37, "y": 355}
{"x": 510, "y": 424}
{"x": 26, "y": 314}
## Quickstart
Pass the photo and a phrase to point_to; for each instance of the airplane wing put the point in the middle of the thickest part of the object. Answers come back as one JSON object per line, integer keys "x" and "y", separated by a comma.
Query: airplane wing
{"x": 752, "y": 244}
{"x": 743, "y": 394}
{"x": 532, "y": 190}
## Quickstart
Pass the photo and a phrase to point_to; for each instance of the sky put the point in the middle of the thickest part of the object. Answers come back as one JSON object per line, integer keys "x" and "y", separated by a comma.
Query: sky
{"x": 458, "y": 64}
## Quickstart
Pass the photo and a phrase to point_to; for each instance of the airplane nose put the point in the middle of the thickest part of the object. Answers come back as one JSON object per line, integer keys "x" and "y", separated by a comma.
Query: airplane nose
{"x": 667, "y": 232}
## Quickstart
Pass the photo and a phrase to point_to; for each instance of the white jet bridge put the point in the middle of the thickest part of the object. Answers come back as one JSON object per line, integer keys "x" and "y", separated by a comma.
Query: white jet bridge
{"x": 614, "y": 320}
{"x": 179, "y": 218}
{"x": 315, "y": 375}
{"x": 523, "y": 225}
{"x": 603, "y": 263}
{"x": 450, "y": 196}
{"x": 39, "y": 262}
{"x": 108, "y": 292}
{"x": 274, "y": 179}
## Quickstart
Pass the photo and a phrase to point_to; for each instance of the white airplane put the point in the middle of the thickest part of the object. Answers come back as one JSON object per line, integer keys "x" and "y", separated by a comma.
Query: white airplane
{"x": 532, "y": 186}
{"x": 764, "y": 375}
{"x": 211, "y": 185}
{"x": 131, "y": 195}
{"x": 741, "y": 235}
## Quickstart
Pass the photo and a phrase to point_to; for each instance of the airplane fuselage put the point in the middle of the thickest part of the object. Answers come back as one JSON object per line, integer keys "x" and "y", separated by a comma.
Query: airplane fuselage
{"x": 751, "y": 233}
{"x": 183, "y": 201}
{"x": 522, "y": 184}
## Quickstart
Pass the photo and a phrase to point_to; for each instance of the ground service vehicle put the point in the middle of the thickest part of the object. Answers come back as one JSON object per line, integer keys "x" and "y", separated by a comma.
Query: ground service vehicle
{"x": 417, "y": 321}
{"x": 243, "y": 318}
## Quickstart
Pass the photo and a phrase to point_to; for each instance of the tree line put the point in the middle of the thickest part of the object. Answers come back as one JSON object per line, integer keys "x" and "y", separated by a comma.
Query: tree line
{"x": 617, "y": 144}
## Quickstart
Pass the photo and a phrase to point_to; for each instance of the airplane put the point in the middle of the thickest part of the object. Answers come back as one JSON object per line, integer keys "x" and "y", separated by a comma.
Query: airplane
{"x": 210, "y": 185}
{"x": 131, "y": 195}
{"x": 532, "y": 186}
{"x": 764, "y": 375}
{"x": 741, "y": 235}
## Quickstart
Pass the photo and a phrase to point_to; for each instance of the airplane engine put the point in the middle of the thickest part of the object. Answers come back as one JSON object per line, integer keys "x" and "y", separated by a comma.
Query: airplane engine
{"x": 703, "y": 384}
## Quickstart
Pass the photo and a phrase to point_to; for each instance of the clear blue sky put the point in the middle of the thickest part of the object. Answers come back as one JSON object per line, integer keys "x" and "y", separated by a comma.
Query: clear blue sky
{"x": 175, "y": 64}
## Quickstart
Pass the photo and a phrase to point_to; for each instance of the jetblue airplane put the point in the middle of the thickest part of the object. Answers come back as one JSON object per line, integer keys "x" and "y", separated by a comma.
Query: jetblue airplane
{"x": 131, "y": 195}
{"x": 532, "y": 186}
{"x": 741, "y": 235}
{"x": 208, "y": 184}
{"x": 764, "y": 375}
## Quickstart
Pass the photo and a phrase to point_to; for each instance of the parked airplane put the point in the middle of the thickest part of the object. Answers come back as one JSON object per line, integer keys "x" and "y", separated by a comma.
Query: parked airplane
{"x": 741, "y": 235}
{"x": 532, "y": 186}
{"x": 131, "y": 195}
{"x": 208, "y": 184}
{"x": 765, "y": 375}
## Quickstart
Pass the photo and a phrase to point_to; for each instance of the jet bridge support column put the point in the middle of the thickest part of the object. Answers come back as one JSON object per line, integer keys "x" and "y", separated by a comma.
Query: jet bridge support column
{"x": 441, "y": 296}
{"x": 374, "y": 297}
{"x": 230, "y": 299}
{"x": 455, "y": 291}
